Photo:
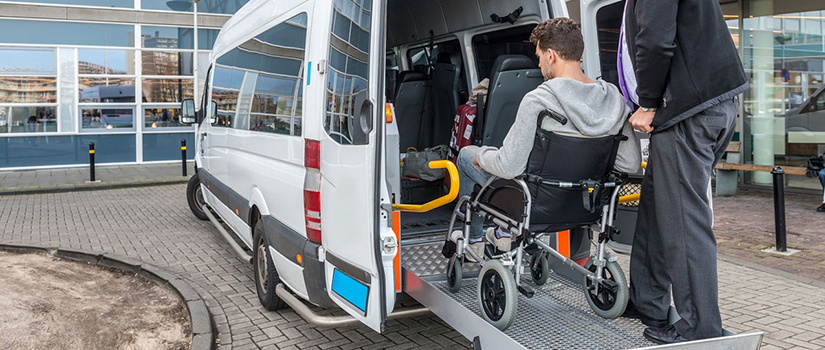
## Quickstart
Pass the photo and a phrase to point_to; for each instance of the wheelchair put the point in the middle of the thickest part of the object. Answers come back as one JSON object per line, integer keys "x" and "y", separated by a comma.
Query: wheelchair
{"x": 568, "y": 184}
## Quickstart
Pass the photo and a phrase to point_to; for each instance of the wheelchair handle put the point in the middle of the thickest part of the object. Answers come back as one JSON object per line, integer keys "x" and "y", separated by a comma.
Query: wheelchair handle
{"x": 452, "y": 172}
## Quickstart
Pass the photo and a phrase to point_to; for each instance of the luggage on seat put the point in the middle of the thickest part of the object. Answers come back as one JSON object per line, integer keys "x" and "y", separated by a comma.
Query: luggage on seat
{"x": 462, "y": 133}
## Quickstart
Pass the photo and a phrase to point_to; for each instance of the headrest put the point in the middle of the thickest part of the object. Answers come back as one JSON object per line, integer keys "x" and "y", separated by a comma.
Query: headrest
{"x": 453, "y": 58}
{"x": 410, "y": 75}
{"x": 505, "y": 63}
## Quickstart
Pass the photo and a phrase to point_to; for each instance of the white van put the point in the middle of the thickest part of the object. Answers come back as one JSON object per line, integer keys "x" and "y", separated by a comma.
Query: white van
{"x": 307, "y": 109}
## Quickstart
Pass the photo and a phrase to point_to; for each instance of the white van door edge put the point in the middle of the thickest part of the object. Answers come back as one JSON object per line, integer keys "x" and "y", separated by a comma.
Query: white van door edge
{"x": 343, "y": 167}
{"x": 590, "y": 33}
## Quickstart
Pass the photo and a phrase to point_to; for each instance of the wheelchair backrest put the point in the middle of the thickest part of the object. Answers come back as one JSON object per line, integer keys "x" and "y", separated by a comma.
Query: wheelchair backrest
{"x": 563, "y": 158}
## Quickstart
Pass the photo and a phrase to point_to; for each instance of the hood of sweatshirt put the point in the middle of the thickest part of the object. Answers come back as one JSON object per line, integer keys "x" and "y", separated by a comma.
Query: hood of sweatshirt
{"x": 594, "y": 110}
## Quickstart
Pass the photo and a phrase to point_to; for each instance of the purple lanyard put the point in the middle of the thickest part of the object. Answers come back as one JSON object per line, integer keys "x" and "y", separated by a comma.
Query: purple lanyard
{"x": 622, "y": 83}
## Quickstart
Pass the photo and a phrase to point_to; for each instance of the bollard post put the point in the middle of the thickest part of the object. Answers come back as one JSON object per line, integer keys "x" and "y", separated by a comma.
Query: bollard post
{"x": 779, "y": 207}
{"x": 183, "y": 156}
{"x": 92, "y": 161}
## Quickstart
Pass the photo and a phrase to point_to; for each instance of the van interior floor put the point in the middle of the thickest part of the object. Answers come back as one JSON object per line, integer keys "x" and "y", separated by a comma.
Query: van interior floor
{"x": 433, "y": 222}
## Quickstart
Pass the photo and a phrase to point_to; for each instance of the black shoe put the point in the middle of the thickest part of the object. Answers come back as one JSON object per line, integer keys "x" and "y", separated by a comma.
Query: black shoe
{"x": 631, "y": 312}
{"x": 821, "y": 208}
{"x": 667, "y": 335}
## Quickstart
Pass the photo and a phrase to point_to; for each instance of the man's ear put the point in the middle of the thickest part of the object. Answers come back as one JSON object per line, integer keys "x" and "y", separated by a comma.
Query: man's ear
{"x": 551, "y": 55}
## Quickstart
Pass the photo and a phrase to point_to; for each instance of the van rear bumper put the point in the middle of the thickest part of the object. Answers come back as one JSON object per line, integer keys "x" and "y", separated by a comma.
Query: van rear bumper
{"x": 314, "y": 277}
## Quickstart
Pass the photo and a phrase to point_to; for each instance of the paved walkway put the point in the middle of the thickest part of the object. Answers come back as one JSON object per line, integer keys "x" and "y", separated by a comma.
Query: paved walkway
{"x": 107, "y": 176}
{"x": 758, "y": 291}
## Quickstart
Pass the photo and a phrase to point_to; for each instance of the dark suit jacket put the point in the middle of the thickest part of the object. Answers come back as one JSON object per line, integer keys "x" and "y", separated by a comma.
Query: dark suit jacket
{"x": 683, "y": 56}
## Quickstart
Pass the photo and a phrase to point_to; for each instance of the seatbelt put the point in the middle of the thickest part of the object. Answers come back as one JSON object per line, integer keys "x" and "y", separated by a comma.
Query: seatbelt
{"x": 424, "y": 133}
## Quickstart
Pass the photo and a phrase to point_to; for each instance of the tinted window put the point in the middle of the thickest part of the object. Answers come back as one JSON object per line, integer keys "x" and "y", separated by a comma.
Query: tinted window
{"x": 66, "y": 33}
{"x": 512, "y": 41}
{"x": 94, "y": 61}
{"x": 167, "y": 37}
{"x": 609, "y": 22}
{"x": 27, "y": 61}
{"x": 206, "y": 6}
{"x": 348, "y": 68}
{"x": 102, "y": 3}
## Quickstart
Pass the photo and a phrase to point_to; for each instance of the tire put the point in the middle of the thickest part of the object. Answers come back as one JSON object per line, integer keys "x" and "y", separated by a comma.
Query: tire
{"x": 606, "y": 303}
{"x": 194, "y": 195}
{"x": 497, "y": 294}
{"x": 266, "y": 276}
{"x": 454, "y": 274}
{"x": 539, "y": 268}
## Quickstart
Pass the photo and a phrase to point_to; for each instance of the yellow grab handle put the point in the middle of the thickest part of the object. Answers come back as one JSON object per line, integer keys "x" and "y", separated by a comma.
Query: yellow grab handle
{"x": 632, "y": 197}
{"x": 435, "y": 203}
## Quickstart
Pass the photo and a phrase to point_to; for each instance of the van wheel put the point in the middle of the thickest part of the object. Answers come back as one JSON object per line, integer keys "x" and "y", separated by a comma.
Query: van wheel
{"x": 266, "y": 276}
{"x": 606, "y": 302}
{"x": 194, "y": 195}
{"x": 497, "y": 294}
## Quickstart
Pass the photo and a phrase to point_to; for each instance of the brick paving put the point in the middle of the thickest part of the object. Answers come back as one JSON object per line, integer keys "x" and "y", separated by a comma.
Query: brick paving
{"x": 744, "y": 225}
{"x": 153, "y": 224}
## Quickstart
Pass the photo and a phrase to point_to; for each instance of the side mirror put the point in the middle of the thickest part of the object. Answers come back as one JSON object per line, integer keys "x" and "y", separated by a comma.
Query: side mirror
{"x": 187, "y": 111}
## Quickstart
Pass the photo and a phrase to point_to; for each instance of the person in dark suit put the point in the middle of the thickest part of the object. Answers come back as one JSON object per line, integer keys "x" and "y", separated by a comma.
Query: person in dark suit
{"x": 678, "y": 64}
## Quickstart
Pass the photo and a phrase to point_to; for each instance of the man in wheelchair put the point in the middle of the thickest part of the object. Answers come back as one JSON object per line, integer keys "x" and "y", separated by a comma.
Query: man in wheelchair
{"x": 570, "y": 123}
{"x": 592, "y": 109}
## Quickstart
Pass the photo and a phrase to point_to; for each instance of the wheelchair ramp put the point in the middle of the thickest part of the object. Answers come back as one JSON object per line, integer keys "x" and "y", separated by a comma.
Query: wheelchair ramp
{"x": 556, "y": 317}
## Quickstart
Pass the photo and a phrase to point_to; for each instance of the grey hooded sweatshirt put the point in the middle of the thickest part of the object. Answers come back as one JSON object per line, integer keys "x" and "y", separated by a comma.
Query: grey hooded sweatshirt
{"x": 594, "y": 110}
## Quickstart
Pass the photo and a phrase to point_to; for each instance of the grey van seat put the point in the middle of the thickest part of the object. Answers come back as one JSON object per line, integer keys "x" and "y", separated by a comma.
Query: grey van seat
{"x": 445, "y": 89}
{"x": 512, "y": 77}
{"x": 409, "y": 107}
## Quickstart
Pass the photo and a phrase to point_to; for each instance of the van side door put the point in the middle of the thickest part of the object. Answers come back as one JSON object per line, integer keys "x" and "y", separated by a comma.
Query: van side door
{"x": 359, "y": 270}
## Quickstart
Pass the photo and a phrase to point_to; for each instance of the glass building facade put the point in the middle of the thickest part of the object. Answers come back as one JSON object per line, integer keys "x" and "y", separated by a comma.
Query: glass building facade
{"x": 782, "y": 119}
{"x": 111, "y": 72}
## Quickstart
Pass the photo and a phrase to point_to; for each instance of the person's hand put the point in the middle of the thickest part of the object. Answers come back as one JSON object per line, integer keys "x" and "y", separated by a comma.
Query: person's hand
{"x": 475, "y": 162}
{"x": 641, "y": 120}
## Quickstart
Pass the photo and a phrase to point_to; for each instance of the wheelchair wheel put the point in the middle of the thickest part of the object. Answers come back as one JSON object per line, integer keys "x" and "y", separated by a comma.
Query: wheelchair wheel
{"x": 539, "y": 268}
{"x": 454, "y": 274}
{"x": 606, "y": 302}
{"x": 497, "y": 294}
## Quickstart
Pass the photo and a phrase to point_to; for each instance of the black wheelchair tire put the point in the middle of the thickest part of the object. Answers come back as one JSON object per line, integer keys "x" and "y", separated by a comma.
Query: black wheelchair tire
{"x": 607, "y": 304}
{"x": 454, "y": 274}
{"x": 496, "y": 286}
{"x": 539, "y": 268}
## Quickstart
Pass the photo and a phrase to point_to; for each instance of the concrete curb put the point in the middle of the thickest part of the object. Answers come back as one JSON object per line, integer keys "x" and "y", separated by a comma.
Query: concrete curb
{"x": 199, "y": 317}
{"x": 88, "y": 187}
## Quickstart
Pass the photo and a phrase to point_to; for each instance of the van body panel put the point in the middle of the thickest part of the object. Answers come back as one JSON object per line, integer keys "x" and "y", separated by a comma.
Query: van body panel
{"x": 289, "y": 273}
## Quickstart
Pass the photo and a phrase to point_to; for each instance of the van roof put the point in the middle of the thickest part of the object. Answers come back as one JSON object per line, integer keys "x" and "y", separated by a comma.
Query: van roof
{"x": 251, "y": 17}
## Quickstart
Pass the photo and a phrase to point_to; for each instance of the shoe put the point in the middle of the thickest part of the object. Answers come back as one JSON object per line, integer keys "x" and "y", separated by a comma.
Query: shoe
{"x": 478, "y": 248}
{"x": 821, "y": 208}
{"x": 632, "y": 312}
{"x": 499, "y": 238}
{"x": 667, "y": 335}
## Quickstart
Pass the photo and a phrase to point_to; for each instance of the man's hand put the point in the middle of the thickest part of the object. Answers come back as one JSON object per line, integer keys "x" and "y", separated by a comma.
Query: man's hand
{"x": 641, "y": 120}
{"x": 475, "y": 162}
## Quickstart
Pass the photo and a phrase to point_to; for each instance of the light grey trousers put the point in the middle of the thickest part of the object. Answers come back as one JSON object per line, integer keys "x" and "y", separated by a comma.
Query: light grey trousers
{"x": 674, "y": 245}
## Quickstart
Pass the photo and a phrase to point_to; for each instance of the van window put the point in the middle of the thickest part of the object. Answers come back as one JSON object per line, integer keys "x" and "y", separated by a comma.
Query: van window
{"x": 423, "y": 58}
{"x": 609, "y": 22}
{"x": 511, "y": 41}
{"x": 348, "y": 67}
{"x": 258, "y": 86}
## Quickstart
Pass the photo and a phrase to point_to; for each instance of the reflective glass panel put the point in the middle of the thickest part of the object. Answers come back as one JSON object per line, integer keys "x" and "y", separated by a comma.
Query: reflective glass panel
{"x": 206, "y": 38}
{"x": 65, "y": 33}
{"x": 101, "y": 3}
{"x": 28, "y": 89}
{"x": 348, "y": 70}
{"x": 167, "y": 90}
{"x": 107, "y": 118}
{"x": 32, "y": 119}
{"x": 166, "y": 63}
{"x": 207, "y": 6}
{"x": 27, "y": 61}
{"x": 167, "y": 37}
{"x": 95, "y": 61}
{"x": 107, "y": 90}
{"x": 154, "y": 118}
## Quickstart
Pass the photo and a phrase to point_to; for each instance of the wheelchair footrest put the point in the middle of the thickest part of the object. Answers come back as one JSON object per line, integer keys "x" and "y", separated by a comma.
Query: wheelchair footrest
{"x": 526, "y": 291}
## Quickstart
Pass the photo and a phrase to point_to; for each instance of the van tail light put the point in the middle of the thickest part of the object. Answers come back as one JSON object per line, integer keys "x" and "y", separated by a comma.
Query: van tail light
{"x": 312, "y": 190}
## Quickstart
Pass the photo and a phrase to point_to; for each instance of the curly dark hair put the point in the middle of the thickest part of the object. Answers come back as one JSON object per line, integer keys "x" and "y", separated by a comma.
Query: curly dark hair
{"x": 563, "y": 35}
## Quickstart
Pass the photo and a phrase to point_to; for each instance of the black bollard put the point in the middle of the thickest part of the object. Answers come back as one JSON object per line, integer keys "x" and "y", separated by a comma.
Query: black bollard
{"x": 779, "y": 207}
{"x": 183, "y": 156}
{"x": 92, "y": 161}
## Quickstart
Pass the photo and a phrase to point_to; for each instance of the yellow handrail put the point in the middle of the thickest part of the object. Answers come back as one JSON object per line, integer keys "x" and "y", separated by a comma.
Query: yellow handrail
{"x": 435, "y": 203}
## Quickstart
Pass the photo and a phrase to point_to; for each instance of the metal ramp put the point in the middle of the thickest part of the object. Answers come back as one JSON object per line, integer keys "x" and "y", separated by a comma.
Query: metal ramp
{"x": 556, "y": 317}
